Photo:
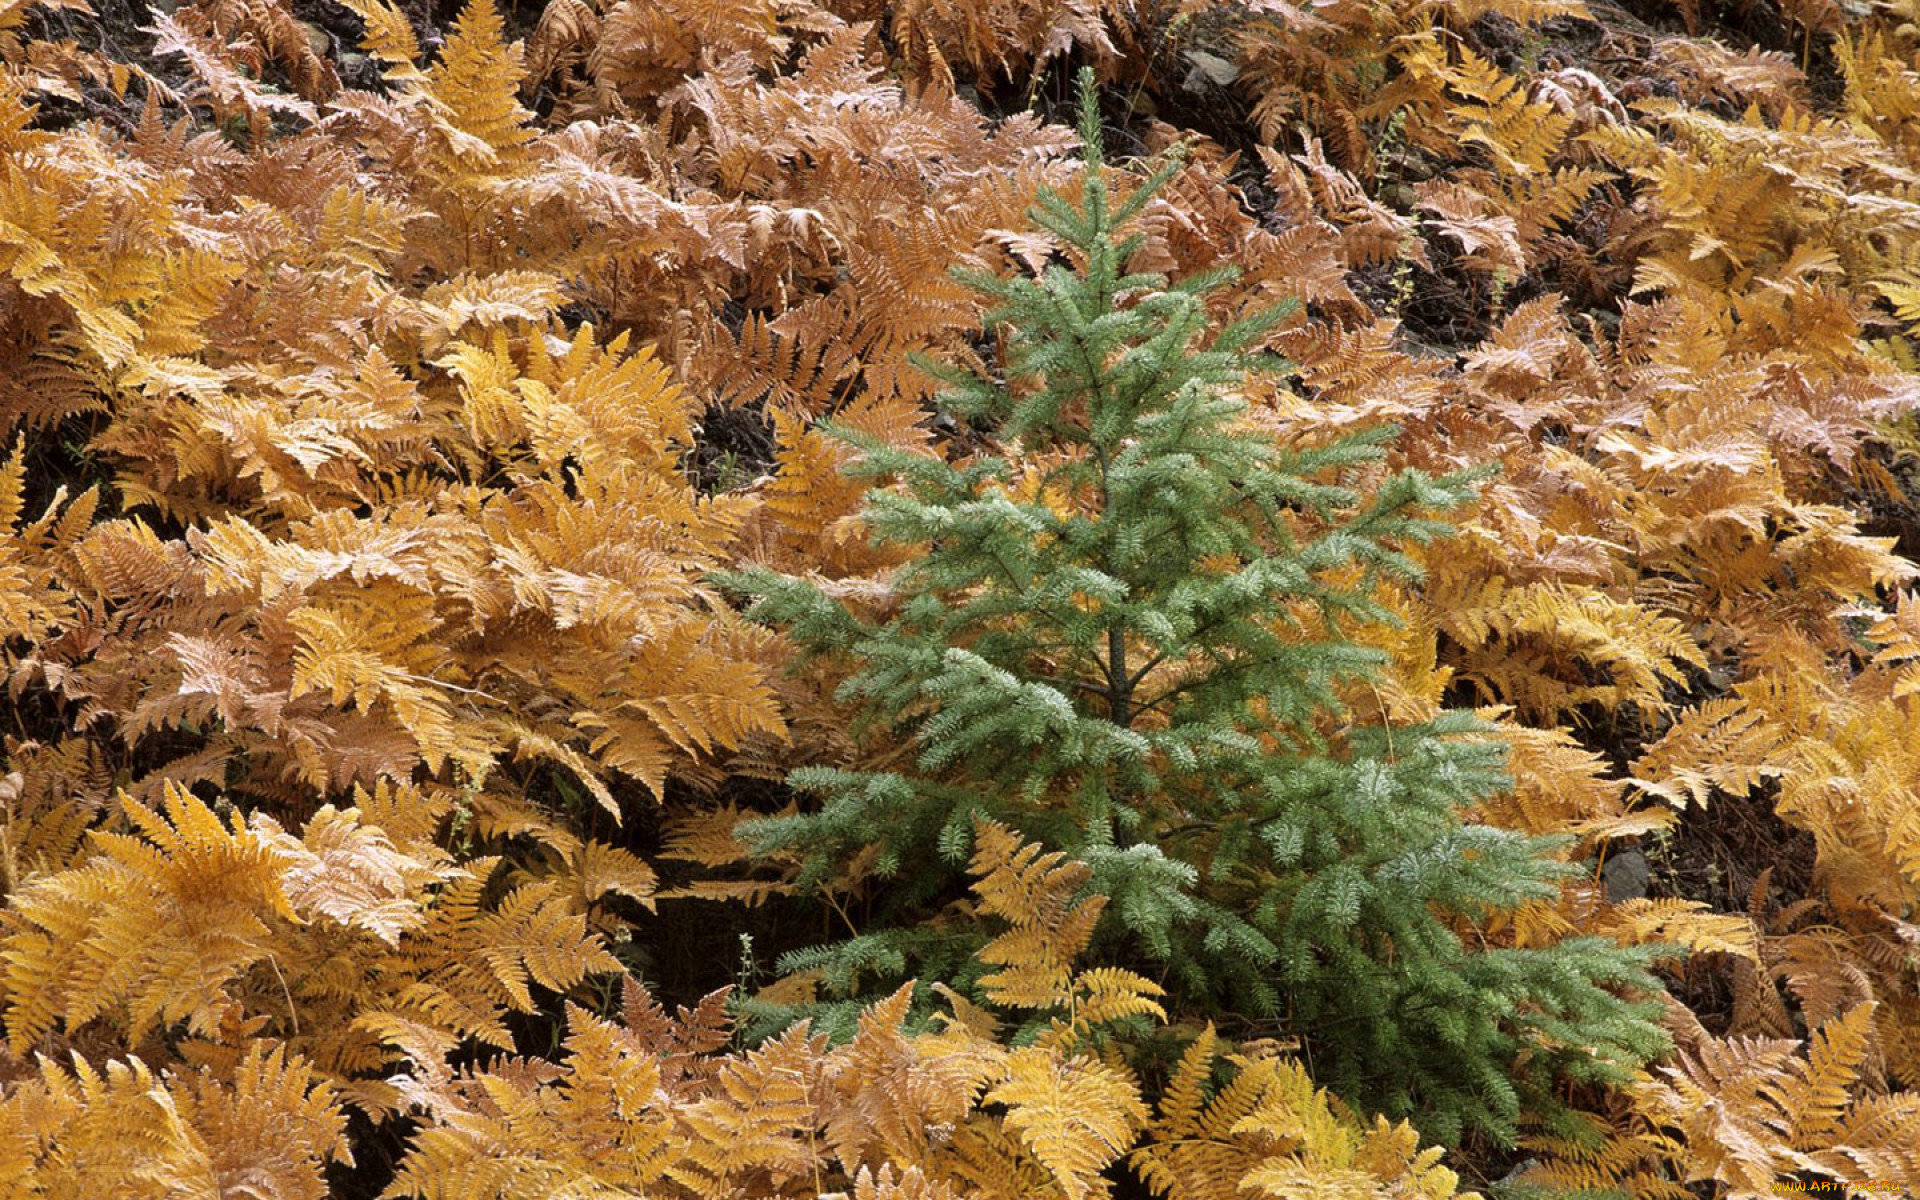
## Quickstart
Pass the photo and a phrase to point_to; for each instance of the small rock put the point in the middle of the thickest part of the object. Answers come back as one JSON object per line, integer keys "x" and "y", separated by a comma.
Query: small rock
{"x": 1625, "y": 876}
{"x": 1210, "y": 68}
{"x": 354, "y": 65}
{"x": 319, "y": 39}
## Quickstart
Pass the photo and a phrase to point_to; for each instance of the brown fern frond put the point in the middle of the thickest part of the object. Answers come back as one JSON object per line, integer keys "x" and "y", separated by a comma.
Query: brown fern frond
{"x": 269, "y": 1122}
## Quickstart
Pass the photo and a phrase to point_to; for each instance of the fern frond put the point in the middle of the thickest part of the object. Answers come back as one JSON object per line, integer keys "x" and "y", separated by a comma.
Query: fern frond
{"x": 1685, "y": 923}
{"x": 84, "y": 941}
{"x": 1075, "y": 1117}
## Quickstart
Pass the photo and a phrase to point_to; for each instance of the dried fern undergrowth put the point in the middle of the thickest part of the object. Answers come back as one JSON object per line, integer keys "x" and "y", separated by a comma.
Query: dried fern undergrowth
{"x": 383, "y": 729}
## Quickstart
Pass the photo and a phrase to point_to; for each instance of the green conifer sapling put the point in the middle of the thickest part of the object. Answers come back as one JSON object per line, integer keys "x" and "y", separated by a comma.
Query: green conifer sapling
{"x": 1134, "y": 653}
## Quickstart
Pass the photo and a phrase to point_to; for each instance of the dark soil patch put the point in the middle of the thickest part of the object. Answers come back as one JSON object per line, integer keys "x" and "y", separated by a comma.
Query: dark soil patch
{"x": 1885, "y": 512}
{"x": 1716, "y": 854}
{"x": 735, "y": 446}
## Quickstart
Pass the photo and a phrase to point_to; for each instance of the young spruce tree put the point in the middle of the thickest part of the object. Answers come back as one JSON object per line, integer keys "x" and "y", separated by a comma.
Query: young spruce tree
{"x": 1130, "y": 654}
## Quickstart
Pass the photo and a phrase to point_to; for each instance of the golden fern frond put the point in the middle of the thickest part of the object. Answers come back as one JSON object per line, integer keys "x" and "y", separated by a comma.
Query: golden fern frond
{"x": 1520, "y": 12}
{"x": 599, "y": 1125}
{"x": 601, "y": 406}
{"x": 1724, "y": 743}
{"x": 409, "y": 815}
{"x": 1186, "y": 1153}
{"x": 351, "y": 659}
{"x": 1370, "y": 232}
{"x": 910, "y": 1184}
{"x": 1687, "y": 923}
{"x": 1075, "y": 1116}
{"x": 1308, "y": 1143}
{"x": 757, "y": 1119}
{"x": 389, "y": 38}
{"x": 1578, "y": 626}
{"x": 473, "y": 89}
{"x": 598, "y": 870}
{"x": 363, "y": 230}
{"x": 1522, "y": 134}
{"x": 1897, "y": 635}
{"x": 1813, "y": 1104}
{"x": 893, "y": 1093}
{"x": 1021, "y": 882}
{"x": 1615, "y": 1148}
{"x": 51, "y": 797}
{"x": 808, "y": 508}
{"x": 535, "y": 936}
{"x": 1034, "y": 892}
{"x": 1003, "y": 39}
{"x": 706, "y": 836}
{"x": 799, "y": 363}
{"x": 1750, "y": 1110}
{"x": 129, "y": 1132}
{"x": 30, "y": 605}
{"x": 1876, "y": 1142}
{"x": 457, "y": 975}
{"x": 643, "y": 50}
{"x": 993, "y": 1164}
{"x": 1105, "y": 994}
{"x": 162, "y": 922}
{"x": 487, "y": 303}
{"x": 1706, "y": 70}
{"x": 567, "y": 31}
{"x": 1560, "y": 786}
{"x": 1180, "y": 1103}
